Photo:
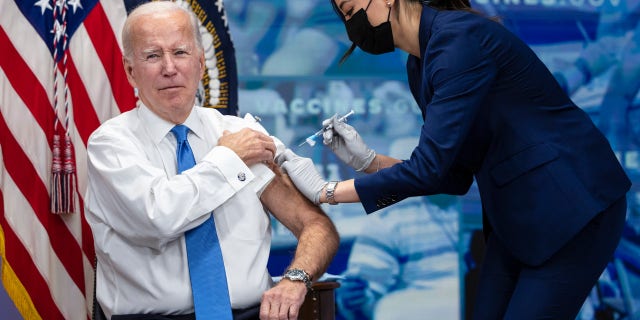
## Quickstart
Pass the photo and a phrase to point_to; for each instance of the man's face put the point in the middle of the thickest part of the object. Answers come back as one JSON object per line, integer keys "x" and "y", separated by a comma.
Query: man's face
{"x": 166, "y": 65}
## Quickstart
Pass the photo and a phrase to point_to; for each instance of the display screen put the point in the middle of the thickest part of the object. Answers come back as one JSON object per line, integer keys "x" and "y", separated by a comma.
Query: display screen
{"x": 418, "y": 255}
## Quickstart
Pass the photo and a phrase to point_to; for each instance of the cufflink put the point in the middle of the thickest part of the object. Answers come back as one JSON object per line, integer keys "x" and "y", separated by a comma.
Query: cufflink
{"x": 242, "y": 176}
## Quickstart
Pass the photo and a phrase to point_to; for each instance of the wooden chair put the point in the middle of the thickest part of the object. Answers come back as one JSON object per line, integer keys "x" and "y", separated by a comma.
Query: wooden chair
{"x": 320, "y": 303}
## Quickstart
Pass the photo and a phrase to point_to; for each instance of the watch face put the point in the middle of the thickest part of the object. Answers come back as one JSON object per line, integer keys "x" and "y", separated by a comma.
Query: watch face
{"x": 298, "y": 275}
{"x": 295, "y": 274}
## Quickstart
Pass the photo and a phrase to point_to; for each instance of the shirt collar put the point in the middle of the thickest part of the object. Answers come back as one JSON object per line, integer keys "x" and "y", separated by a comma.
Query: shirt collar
{"x": 159, "y": 128}
{"x": 194, "y": 122}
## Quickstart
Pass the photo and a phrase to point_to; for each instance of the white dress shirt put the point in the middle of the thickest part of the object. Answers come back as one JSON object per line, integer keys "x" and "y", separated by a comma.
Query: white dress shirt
{"x": 139, "y": 209}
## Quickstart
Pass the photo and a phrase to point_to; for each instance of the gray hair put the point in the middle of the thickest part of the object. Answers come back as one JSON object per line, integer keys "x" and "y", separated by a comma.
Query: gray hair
{"x": 151, "y": 8}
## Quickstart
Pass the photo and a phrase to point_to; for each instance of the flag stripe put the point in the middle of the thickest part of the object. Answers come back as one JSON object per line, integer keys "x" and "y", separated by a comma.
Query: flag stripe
{"x": 22, "y": 124}
{"x": 25, "y": 225}
{"x": 90, "y": 71}
{"x": 53, "y": 255}
{"x": 115, "y": 11}
{"x": 25, "y": 83}
{"x": 28, "y": 275}
{"x": 19, "y": 167}
{"x": 86, "y": 238}
{"x": 67, "y": 293}
{"x": 36, "y": 146}
{"x": 25, "y": 40}
{"x": 82, "y": 107}
{"x": 106, "y": 44}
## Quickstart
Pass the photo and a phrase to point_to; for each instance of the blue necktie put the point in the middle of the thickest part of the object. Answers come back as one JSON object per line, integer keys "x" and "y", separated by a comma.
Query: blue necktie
{"x": 206, "y": 269}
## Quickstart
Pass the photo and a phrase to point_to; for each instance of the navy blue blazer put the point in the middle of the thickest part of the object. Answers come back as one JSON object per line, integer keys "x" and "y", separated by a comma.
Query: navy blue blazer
{"x": 493, "y": 111}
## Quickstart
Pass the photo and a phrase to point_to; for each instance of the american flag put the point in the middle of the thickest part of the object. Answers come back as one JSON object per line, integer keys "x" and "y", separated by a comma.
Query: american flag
{"x": 48, "y": 259}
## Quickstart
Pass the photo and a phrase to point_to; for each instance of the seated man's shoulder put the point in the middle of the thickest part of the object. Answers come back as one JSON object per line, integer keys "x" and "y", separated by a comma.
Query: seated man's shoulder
{"x": 231, "y": 122}
{"x": 122, "y": 124}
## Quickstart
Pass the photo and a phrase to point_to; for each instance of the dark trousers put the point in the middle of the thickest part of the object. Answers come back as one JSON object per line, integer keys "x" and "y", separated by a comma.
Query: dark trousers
{"x": 252, "y": 313}
{"x": 556, "y": 289}
{"x": 190, "y": 316}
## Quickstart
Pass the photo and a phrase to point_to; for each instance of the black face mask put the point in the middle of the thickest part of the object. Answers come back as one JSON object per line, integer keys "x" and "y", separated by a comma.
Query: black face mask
{"x": 374, "y": 40}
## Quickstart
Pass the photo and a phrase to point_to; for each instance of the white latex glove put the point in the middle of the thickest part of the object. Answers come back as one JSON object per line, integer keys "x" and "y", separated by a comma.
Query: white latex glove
{"x": 347, "y": 144}
{"x": 303, "y": 173}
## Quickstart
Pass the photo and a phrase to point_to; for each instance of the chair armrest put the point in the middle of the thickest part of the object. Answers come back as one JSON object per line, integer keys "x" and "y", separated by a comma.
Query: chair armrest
{"x": 320, "y": 303}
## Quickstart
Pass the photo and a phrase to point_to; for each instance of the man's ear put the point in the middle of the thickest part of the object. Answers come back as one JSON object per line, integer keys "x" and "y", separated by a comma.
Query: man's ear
{"x": 202, "y": 65}
{"x": 128, "y": 69}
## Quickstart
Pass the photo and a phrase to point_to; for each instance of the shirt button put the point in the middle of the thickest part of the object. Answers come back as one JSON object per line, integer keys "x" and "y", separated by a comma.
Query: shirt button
{"x": 242, "y": 176}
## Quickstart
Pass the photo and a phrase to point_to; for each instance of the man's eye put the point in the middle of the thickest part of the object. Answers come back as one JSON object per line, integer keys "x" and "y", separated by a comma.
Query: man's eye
{"x": 152, "y": 56}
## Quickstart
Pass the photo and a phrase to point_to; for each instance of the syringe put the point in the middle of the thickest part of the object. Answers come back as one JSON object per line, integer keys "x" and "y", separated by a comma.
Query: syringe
{"x": 310, "y": 138}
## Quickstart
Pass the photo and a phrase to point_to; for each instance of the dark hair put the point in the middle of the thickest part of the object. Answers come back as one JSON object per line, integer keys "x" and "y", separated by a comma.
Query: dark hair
{"x": 463, "y": 5}
{"x": 449, "y": 4}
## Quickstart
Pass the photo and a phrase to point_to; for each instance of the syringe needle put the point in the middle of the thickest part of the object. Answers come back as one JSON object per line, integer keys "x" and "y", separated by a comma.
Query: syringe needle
{"x": 310, "y": 138}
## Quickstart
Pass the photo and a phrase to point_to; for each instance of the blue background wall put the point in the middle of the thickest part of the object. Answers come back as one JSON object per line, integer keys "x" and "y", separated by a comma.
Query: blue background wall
{"x": 287, "y": 53}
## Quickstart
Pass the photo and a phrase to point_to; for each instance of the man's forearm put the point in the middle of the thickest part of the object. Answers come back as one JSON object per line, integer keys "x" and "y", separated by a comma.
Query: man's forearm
{"x": 317, "y": 245}
{"x": 317, "y": 237}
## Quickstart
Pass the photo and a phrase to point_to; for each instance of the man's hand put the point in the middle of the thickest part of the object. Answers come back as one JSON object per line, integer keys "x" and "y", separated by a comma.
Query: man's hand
{"x": 283, "y": 301}
{"x": 347, "y": 144}
{"x": 303, "y": 173}
{"x": 250, "y": 145}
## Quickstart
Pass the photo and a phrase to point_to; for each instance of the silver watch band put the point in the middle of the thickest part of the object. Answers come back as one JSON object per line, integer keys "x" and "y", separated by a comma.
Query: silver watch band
{"x": 298, "y": 275}
{"x": 330, "y": 192}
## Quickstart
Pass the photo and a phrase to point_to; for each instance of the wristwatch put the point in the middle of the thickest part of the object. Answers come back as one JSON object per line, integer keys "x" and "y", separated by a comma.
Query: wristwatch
{"x": 330, "y": 192}
{"x": 298, "y": 275}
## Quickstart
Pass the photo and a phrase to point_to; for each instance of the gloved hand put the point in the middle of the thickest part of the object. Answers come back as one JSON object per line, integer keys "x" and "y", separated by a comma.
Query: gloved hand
{"x": 303, "y": 173}
{"x": 351, "y": 295}
{"x": 347, "y": 144}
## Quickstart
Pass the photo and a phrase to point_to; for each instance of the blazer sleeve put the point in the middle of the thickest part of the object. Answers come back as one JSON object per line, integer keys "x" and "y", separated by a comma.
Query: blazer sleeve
{"x": 459, "y": 74}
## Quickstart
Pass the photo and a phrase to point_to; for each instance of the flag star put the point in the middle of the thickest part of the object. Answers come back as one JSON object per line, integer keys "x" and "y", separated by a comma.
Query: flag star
{"x": 224, "y": 19}
{"x": 75, "y": 4}
{"x": 58, "y": 30}
{"x": 43, "y": 4}
{"x": 219, "y": 5}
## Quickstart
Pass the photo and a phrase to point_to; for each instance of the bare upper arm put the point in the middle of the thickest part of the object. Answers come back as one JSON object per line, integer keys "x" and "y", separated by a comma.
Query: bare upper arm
{"x": 288, "y": 205}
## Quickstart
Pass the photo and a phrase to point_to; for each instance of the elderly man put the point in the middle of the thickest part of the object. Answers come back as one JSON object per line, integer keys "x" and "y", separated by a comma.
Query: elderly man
{"x": 179, "y": 195}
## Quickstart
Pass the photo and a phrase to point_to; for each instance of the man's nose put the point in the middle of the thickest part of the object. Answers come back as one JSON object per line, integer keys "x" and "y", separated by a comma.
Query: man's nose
{"x": 168, "y": 64}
